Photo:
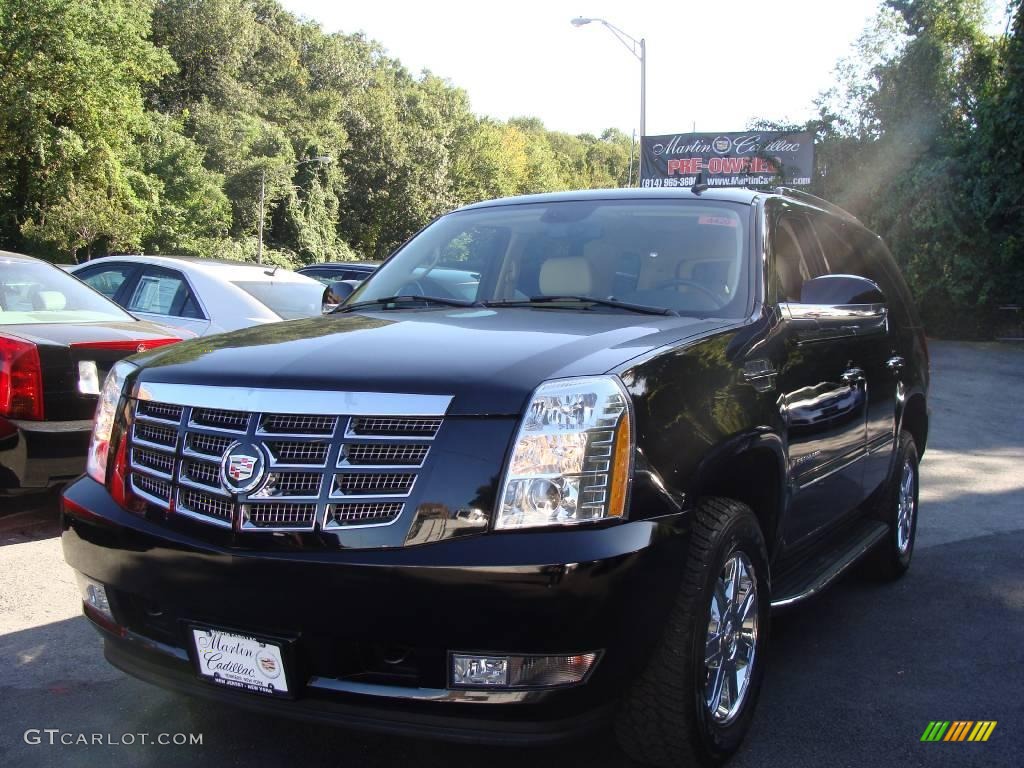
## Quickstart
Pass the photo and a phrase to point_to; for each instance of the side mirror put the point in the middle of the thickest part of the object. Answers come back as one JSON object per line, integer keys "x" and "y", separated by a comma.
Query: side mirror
{"x": 335, "y": 294}
{"x": 835, "y": 306}
{"x": 841, "y": 291}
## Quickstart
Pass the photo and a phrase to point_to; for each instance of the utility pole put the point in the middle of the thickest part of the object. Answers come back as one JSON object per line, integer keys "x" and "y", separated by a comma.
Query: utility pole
{"x": 263, "y": 198}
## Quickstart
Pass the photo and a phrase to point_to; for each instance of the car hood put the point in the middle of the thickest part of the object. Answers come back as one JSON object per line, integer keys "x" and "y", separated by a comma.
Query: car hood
{"x": 488, "y": 360}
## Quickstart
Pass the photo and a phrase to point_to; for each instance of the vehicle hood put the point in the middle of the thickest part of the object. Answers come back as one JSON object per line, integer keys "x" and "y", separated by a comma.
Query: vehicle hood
{"x": 488, "y": 360}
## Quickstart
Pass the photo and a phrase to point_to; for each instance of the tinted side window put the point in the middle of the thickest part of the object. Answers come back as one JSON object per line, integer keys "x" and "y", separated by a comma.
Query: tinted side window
{"x": 797, "y": 257}
{"x": 107, "y": 279}
{"x": 325, "y": 276}
{"x": 851, "y": 250}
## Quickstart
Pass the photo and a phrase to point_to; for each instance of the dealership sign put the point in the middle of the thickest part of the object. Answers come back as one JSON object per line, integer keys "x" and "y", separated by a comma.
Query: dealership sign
{"x": 750, "y": 158}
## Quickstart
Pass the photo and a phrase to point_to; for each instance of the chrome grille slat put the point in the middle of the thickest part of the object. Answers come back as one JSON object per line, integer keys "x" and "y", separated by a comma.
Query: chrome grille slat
{"x": 317, "y": 475}
{"x": 292, "y": 424}
{"x": 206, "y": 506}
{"x": 153, "y": 461}
{"x": 290, "y": 485}
{"x": 362, "y": 513}
{"x": 151, "y": 488}
{"x": 164, "y": 412}
{"x": 278, "y": 515}
{"x": 207, "y": 445}
{"x": 383, "y": 454}
{"x": 217, "y": 418}
{"x": 202, "y": 472}
{"x": 155, "y": 435}
{"x": 294, "y": 453}
{"x": 393, "y": 426}
{"x": 373, "y": 484}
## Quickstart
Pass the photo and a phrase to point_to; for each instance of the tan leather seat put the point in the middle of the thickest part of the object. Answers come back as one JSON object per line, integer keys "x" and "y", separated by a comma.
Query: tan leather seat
{"x": 569, "y": 275}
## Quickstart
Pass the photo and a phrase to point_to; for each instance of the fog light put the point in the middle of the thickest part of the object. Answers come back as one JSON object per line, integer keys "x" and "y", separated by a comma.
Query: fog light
{"x": 472, "y": 671}
{"x": 476, "y": 671}
{"x": 94, "y": 595}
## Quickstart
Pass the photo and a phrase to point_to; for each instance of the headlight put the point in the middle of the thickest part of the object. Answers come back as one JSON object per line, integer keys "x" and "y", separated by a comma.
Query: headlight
{"x": 103, "y": 424}
{"x": 571, "y": 461}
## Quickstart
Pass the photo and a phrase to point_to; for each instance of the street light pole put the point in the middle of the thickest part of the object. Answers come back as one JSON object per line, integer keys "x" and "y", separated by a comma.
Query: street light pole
{"x": 321, "y": 159}
{"x": 639, "y": 49}
{"x": 263, "y": 198}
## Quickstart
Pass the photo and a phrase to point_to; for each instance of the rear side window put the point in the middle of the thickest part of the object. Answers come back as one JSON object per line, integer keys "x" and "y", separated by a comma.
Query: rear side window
{"x": 159, "y": 293}
{"x": 797, "y": 257}
{"x": 852, "y": 250}
{"x": 107, "y": 280}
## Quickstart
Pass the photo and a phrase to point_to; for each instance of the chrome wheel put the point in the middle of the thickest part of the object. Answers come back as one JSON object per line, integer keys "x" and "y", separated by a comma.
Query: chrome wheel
{"x": 907, "y": 506}
{"x": 732, "y": 639}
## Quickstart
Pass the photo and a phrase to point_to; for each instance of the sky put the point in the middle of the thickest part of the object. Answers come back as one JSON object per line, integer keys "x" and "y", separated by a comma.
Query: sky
{"x": 710, "y": 65}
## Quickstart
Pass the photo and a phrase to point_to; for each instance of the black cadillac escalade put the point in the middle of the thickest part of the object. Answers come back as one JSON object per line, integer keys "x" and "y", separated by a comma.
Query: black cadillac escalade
{"x": 553, "y": 466}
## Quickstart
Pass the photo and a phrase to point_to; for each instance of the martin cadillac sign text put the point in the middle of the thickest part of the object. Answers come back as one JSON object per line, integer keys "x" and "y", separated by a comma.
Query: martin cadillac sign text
{"x": 750, "y": 158}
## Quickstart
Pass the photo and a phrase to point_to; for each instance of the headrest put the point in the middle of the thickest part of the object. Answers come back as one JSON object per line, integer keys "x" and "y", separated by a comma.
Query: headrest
{"x": 50, "y": 301}
{"x": 566, "y": 276}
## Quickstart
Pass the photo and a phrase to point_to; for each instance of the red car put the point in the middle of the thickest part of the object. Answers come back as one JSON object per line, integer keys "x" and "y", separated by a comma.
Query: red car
{"x": 58, "y": 339}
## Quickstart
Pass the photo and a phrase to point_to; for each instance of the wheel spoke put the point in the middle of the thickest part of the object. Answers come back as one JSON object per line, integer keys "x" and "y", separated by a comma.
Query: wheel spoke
{"x": 735, "y": 579}
{"x": 714, "y": 697}
{"x": 748, "y": 605}
{"x": 713, "y": 650}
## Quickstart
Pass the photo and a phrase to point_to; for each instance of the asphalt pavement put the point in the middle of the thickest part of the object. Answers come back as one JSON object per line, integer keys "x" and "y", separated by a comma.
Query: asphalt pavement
{"x": 854, "y": 677}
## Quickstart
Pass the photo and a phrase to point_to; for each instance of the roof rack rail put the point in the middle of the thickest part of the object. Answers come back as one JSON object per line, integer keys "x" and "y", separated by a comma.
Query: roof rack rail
{"x": 807, "y": 197}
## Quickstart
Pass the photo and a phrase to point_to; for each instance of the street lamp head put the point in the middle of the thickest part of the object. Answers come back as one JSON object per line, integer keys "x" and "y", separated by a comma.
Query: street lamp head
{"x": 580, "y": 21}
{"x": 321, "y": 159}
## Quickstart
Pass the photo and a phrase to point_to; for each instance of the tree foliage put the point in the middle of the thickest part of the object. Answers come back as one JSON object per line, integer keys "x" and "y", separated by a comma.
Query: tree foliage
{"x": 150, "y": 124}
{"x": 922, "y": 137}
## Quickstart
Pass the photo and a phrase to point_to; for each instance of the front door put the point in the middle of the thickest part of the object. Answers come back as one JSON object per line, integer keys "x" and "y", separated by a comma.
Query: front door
{"x": 823, "y": 396}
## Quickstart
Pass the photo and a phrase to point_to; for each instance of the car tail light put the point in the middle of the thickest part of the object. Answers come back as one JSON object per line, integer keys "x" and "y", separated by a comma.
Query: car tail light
{"x": 21, "y": 379}
{"x": 132, "y": 346}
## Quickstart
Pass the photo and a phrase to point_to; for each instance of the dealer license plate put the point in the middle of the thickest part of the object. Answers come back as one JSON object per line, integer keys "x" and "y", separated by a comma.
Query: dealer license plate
{"x": 240, "y": 661}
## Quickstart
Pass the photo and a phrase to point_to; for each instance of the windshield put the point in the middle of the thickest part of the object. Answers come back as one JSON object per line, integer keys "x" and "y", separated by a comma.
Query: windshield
{"x": 683, "y": 256}
{"x": 288, "y": 299}
{"x": 37, "y": 292}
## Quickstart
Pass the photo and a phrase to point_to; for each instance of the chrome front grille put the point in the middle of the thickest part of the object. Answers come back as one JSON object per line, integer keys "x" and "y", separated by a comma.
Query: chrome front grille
{"x": 315, "y": 470}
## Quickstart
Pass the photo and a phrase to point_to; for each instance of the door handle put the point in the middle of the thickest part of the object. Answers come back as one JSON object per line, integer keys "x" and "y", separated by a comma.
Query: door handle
{"x": 895, "y": 363}
{"x": 852, "y": 376}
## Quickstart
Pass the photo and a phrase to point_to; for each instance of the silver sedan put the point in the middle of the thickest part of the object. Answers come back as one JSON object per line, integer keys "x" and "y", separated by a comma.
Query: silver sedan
{"x": 202, "y": 295}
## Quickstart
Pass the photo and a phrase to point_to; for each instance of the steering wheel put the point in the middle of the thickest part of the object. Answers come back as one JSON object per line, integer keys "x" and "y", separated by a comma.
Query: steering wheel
{"x": 715, "y": 298}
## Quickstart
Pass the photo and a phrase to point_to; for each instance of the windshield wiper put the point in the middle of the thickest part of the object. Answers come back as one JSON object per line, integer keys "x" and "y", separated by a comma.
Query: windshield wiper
{"x": 641, "y": 308}
{"x": 407, "y": 299}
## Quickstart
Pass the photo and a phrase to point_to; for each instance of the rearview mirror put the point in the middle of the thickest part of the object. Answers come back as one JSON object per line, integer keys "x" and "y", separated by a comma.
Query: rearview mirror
{"x": 841, "y": 291}
{"x": 335, "y": 294}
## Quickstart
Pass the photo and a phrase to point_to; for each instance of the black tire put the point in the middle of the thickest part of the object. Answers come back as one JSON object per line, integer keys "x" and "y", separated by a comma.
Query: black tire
{"x": 665, "y": 720}
{"x": 891, "y": 558}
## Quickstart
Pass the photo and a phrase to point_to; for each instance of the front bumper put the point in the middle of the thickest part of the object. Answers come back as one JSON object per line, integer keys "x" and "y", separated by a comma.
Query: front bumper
{"x": 605, "y": 589}
{"x": 36, "y": 455}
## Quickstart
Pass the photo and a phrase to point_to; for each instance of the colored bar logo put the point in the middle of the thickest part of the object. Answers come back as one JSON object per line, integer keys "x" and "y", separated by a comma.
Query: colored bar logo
{"x": 958, "y": 730}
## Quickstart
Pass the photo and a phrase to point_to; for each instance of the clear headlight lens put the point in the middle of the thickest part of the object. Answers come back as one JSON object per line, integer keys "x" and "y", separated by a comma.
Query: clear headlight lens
{"x": 571, "y": 461}
{"x": 103, "y": 423}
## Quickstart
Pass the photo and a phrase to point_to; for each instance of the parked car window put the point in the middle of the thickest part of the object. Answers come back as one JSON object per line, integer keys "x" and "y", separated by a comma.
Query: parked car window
{"x": 325, "y": 276}
{"x": 157, "y": 293}
{"x": 288, "y": 300}
{"x": 107, "y": 280}
{"x": 689, "y": 257}
{"x": 35, "y": 292}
